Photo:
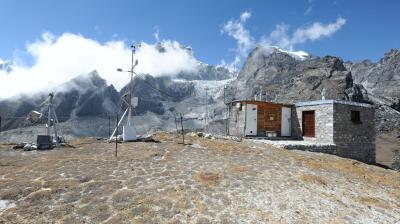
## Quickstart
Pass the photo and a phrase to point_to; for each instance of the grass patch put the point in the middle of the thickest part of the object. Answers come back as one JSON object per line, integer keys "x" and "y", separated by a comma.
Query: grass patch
{"x": 313, "y": 179}
{"x": 209, "y": 178}
{"x": 371, "y": 201}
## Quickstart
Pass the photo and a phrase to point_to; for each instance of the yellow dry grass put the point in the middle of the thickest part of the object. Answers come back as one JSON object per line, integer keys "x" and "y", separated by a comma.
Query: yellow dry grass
{"x": 209, "y": 177}
{"x": 373, "y": 201}
{"x": 353, "y": 168}
{"x": 313, "y": 179}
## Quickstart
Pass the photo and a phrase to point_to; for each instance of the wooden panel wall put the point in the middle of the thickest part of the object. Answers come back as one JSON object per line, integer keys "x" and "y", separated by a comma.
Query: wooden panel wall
{"x": 269, "y": 118}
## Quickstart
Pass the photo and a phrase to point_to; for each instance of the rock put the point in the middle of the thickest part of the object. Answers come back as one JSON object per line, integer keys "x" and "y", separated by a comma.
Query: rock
{"x": 19, "y": 146}
{"x": 277, "y": 76}
{"x": 381, "y": 78}
{"x": 208, "y": 136}
{"x": 30, "y": 147}
{"x": 148, "y": 138}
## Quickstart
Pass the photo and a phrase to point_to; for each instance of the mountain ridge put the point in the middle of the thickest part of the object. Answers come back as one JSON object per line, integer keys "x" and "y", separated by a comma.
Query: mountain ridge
{"x": 270, "y": 72}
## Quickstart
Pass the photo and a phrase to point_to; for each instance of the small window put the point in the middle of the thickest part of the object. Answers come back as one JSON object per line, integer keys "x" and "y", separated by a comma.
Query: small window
{"x": 355, "y": 117}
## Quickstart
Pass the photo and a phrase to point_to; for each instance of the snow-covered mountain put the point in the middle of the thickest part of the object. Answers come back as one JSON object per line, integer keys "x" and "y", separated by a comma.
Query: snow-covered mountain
{"x": 277, "y": 74}
{"x": 299, "y": 55}
{"x": 88, "y": 95}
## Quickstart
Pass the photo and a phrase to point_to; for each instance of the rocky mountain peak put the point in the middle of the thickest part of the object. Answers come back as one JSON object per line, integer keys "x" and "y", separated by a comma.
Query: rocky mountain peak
{"x": 392, "y": 56}
{"x": 333, "y": 62}
{"x": 284, "y": 78}
{"x": 91, "y": 80}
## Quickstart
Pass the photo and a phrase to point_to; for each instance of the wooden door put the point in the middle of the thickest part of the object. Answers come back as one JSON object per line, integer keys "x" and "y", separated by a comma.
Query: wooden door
{"x": 309, "y": 123}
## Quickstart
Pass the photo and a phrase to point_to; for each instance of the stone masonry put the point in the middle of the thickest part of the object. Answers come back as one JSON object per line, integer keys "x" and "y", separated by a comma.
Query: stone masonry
{"x": 323, "y": 122}
{"x": 333, "y": 125}
{"x": 354, "y": 140}
{"x": 335, "y": 132}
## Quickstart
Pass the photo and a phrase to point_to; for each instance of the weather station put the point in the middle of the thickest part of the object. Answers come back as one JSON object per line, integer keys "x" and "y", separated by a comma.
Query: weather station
{"x": 53, "y": 136}
{"x": 128, "y": 130}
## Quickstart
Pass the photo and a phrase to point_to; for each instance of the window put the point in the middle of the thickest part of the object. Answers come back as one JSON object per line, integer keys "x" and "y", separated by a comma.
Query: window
{"x": 355, "y": 117}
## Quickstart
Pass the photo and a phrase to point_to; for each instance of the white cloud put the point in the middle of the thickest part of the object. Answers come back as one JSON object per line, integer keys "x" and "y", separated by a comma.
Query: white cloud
{"x": 309, "y": 7}
{"x": 232, "y": 66}
{"x": 172, "y": 60}
{"x": 59, "y": 59}
{"x": 236, "y": 29}
{"x": 278, "y": 37}
{"x": 245, "y": 16}
{"x": 156, "y": 34}
{"x": 317, "y": 31}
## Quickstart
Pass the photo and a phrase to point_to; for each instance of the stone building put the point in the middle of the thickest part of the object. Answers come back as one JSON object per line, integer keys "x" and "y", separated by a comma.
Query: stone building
{"x": 342, "y": 128}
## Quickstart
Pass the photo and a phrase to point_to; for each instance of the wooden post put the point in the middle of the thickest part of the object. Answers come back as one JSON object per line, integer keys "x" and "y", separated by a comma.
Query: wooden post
{"x": 226, "y": 120}
{"x": 183, "y": 134}
{"x": 176, "y": 126}
{"x": 116, "y": 138}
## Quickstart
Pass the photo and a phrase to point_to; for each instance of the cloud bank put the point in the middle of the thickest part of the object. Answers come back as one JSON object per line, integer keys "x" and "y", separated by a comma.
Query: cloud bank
{"x": 279, "y": 37}
{"x": 59, "y": 59}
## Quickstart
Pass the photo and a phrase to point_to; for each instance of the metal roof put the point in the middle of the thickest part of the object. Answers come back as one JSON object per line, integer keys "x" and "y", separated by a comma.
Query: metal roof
{"x": 322, "y": 102}
{"x": 258, "y": 102}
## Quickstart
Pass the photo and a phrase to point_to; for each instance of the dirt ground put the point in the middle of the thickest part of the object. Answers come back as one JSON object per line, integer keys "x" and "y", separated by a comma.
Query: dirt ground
{"x": 386, "y": 146}
{"x": 206, "y": 181}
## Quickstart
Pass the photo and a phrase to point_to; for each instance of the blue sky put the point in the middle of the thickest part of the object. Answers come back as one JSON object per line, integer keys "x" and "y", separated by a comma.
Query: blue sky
{"x": 371, "y": 28}
{"x": 51, "y": 42}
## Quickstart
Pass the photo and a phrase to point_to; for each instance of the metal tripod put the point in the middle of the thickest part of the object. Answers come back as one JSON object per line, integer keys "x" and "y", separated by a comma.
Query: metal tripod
{"x": 52, "y": 119}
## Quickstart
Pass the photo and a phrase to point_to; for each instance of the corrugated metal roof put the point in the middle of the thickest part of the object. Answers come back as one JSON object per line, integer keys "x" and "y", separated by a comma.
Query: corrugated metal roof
{"x": 322, "y": 102}
{"x": 259, "y": 102}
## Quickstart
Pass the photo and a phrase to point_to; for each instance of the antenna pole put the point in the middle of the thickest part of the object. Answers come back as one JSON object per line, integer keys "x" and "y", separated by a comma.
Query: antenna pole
{"x": 116, "y": 138}
{"x": 226, "y": 113}
{"x": 49, "y": 116}
{"x": 176, "y": 126}
{"x": 131, "y": 88}
{"x": 206, "y": 118}
{"x": 183, "y": 133}
{"x": 129, "y": 132}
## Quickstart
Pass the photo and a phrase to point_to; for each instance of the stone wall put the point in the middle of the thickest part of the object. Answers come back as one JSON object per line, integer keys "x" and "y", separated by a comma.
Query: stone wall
{"x": 333, "y": 126}
{"x": 323, "y": 122}
{"x": 354, "y": 140}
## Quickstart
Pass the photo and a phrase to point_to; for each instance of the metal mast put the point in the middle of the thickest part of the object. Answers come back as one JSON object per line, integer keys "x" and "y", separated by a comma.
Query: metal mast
{"x": 206, "y": 117}
{"x": 128, "y": 130}
{"x": 131, "y": 87}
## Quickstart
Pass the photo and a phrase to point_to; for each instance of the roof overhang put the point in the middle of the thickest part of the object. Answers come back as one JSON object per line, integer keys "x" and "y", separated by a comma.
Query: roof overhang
{"x": 323, "y": 102}
{"x": 258, "y": 102}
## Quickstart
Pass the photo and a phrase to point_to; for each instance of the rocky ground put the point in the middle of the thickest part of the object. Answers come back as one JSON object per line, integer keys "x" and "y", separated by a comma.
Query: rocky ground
{"x": 388, "y": 150}
{"x": 206, "y": 181}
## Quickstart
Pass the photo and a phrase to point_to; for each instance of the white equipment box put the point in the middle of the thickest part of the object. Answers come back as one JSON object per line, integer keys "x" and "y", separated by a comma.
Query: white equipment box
{"x": 128, "y": 133}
